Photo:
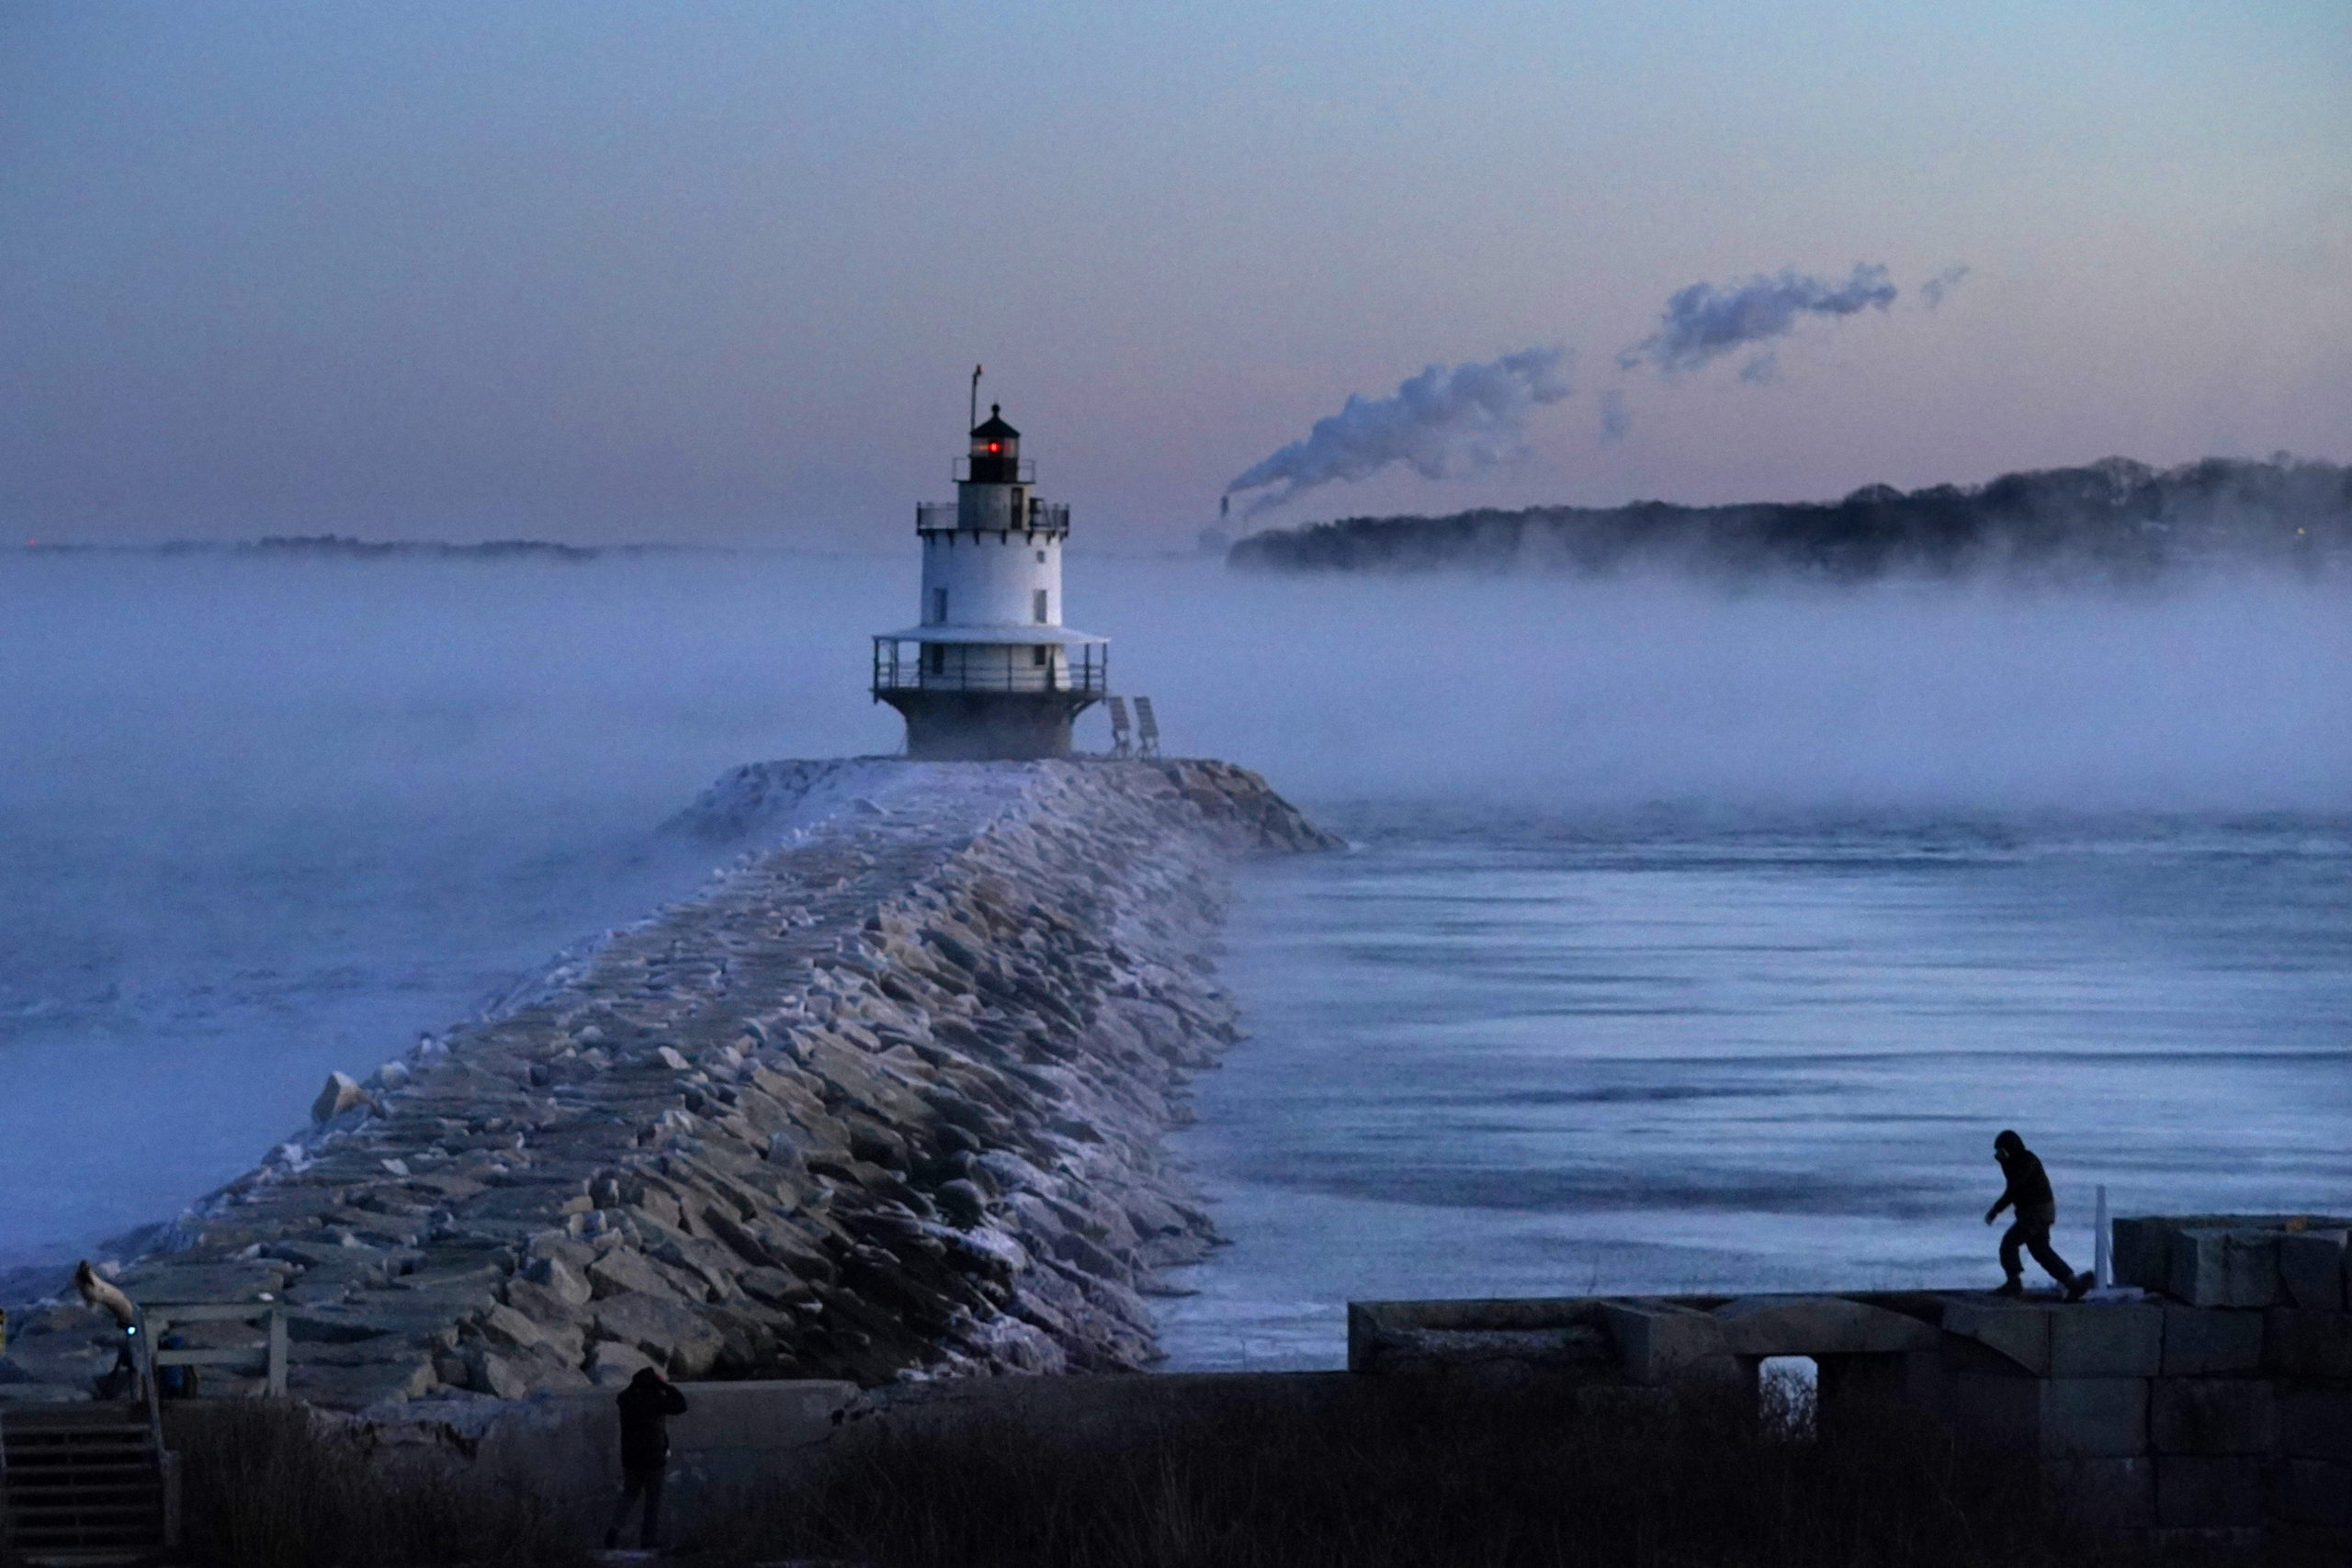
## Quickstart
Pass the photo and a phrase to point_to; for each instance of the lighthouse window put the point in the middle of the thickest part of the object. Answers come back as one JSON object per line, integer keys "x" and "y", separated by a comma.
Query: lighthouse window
{"x": 1038, "y": 604}
{"x": 939, "y": 658}
{"x": 939, "y": 605}
{"x": 1041, "y": 558}
{"x": 1037, "y": 656}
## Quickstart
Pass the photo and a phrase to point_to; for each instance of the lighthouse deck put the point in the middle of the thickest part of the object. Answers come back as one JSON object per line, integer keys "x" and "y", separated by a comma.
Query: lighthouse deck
{"x": 992, "y": 659}
{"x": 950, "y": 516}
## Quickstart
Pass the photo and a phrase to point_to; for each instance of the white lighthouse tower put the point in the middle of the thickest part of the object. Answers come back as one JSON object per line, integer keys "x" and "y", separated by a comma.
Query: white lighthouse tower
{"x": 992, "y": 671}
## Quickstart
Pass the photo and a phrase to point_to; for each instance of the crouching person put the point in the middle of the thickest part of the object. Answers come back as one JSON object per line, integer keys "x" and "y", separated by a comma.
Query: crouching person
{"x": 647, "y": 1404}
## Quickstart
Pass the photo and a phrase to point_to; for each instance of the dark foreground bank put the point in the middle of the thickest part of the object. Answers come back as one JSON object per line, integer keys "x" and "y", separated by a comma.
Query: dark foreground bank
{"x": 1380, "y": 1473}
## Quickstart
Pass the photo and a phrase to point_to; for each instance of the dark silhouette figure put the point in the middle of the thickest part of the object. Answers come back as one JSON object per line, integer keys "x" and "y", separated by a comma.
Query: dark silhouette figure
{"x": 122, "y": 1380}
{"x": 2037, "y": 1211}
{"x": 647, "y": 1404}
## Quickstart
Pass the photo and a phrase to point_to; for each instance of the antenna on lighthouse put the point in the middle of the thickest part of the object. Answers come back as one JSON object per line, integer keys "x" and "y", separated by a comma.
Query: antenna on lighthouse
{"x": 974, "y": 419}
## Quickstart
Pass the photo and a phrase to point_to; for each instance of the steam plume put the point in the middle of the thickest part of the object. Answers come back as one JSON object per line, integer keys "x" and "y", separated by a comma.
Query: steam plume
{"x": 1702, "y": 322}
{"x": 1437, "y": 421}
{"x": 1616, "y": 418}
{"x": 1943, "y": 283}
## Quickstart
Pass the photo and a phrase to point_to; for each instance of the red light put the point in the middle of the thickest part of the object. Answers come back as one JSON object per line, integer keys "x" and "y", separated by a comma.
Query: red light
{"x": 994, "y": 447}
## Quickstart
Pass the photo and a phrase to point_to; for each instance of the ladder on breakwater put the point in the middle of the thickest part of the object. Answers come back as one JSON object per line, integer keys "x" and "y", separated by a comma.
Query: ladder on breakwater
{"x": 85, "y": 1484}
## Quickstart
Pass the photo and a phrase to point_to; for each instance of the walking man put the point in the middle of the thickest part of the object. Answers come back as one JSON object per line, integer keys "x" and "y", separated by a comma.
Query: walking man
{"x": 647, "y": 1404}
{"x": 2037, "y": 1211}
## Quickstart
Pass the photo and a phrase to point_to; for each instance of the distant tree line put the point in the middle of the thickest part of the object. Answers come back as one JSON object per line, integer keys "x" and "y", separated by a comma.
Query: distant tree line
{"x": 2115, "y": 520}
{"x": 373, "y": 549}
{"x": 332, "y": 546}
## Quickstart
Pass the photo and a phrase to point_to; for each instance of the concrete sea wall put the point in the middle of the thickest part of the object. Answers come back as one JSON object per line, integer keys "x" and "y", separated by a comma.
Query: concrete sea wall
{"x": 885, "y": 1097}
{"x": 2209, "y": 1397}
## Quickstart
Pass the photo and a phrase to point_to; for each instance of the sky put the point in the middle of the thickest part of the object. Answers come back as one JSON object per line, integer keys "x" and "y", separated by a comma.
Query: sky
{"x": 718, "y": 273}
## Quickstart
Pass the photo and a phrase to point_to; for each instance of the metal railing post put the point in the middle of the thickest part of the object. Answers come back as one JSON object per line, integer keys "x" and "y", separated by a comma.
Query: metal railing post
{"x": 145, "y": 1362}
{"x": 2102, "y": 1253}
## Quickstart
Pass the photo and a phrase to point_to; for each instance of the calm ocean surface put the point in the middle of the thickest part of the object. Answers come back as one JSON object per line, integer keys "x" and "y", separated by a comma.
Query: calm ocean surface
{"x": 1500, "y": 1051}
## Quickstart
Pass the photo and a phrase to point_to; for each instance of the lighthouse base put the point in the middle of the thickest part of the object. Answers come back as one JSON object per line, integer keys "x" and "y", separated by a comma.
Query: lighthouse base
{"x": 971, "y": 727}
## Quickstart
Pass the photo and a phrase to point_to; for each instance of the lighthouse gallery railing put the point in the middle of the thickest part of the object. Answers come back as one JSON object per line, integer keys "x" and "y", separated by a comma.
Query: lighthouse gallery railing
{"x": 1084, "y": 670}
{"x": 943, "y": 516}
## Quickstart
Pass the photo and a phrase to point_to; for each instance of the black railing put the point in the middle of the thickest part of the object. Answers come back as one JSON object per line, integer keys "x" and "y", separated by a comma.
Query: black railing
{"x": 943, "y": 517}
{"x": 1080, "y": 669}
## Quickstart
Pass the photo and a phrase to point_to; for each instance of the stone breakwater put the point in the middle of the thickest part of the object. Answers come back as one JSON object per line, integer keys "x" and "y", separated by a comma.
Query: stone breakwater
{"x": 886, "y": 1098}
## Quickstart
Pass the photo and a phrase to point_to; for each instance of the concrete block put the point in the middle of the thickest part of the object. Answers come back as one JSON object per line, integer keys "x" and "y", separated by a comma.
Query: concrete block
{"x": 2100, "y": 1340}
{"x": 1997, "y": 1410}
{"x": 2061, "y": 1418}
{"x": 2315, "y": 1423}
{"x": 1378, "y": 1331}
{"x": 2313, "y": 1492}
{"x": 2311, "y": 1267}
{"x": 2226, "y": 1267}
{"x": 2212, "y": 1415}
{"x": 2104, "y": 1493}
{"x": 2307, "y": 1344}
{"x": 2208, "y": 1493}
{"x": 1818, "y": 1326}
{"x": 2211, "y": 1341}
{"x": 2020, "y": 1335}
{"x": 2083, "y": 1418}
{"x": 2141, "y": 1250}
{"x": 1851, "y": 1387}
{"x": 1655, "y": 1344}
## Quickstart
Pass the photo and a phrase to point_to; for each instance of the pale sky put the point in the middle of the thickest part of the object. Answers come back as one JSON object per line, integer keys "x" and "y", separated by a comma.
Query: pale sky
{"x": 718, "y": 273}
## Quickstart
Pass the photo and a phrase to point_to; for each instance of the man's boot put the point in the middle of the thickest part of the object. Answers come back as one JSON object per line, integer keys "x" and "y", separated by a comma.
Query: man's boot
{"x": 2015, "y": 1287}
{"x": 2078, "y": 1286}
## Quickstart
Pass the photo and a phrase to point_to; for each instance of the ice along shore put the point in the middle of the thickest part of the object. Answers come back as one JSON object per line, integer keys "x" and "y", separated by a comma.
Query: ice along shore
{"x": 886, "y": 1096}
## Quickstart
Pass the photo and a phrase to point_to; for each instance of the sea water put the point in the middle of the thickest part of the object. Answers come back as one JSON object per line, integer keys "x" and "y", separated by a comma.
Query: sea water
{"x": 1946, "y": 859}
{"x": 1505, "y": 1051}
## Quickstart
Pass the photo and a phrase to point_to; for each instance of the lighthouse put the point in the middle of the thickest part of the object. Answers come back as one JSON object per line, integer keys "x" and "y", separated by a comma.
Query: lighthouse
{"x": 992, "y": 671}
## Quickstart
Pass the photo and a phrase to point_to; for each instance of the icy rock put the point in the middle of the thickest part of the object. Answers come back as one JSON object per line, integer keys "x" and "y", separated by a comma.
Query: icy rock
{"x": 625, "y": 1272}
{"x": 341, "y": 1093}
{"x": 612, "y": 1364}
{"x": 560, "y": 1280}
{"x": 961, "y": 1202}
{"x": 663, "y": 1329}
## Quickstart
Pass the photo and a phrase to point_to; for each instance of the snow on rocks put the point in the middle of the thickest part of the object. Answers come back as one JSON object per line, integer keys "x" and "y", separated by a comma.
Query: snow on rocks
{"x": 884, "y": 1100}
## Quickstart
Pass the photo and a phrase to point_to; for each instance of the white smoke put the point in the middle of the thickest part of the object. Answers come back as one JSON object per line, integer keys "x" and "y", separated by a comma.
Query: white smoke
{"x": 1439, "y": 421}
{"x": 1943, "y": 283}
{"x": 1702, "y": 322}
{"x": 1616, "y": 418}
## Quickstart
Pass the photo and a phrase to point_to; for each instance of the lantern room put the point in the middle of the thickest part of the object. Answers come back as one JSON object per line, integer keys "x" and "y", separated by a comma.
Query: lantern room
{"x": 989, "y": 670}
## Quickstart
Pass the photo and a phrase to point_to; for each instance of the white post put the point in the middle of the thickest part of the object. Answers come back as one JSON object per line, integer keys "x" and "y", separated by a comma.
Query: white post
{"x": 2103, "y": 1268}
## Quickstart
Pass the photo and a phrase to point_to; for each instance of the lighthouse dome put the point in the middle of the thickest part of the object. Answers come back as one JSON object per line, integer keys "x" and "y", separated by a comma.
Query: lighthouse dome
{"x": 996, "y": 450}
